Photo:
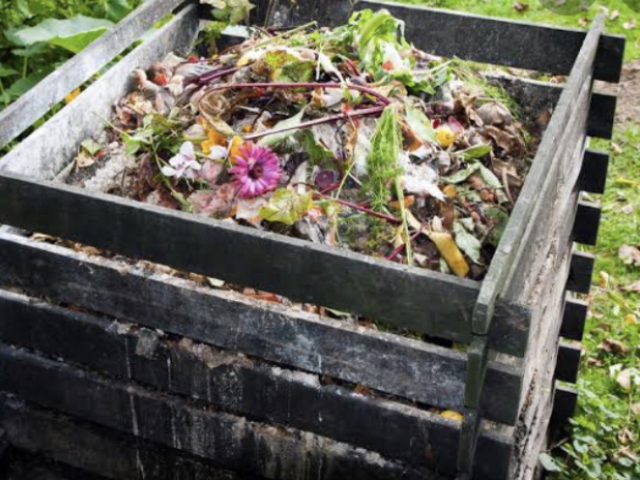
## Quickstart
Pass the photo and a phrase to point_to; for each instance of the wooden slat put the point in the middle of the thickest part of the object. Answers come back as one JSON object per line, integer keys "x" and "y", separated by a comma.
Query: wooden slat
{"x": 587, "y": 223}
{"x": 581, "y": 272}
{"x": 564, "y": 406}
{"x": 472, "y": 37}
{"x": 95, "y": 450}
{"x": 539, "y": 183}
{"x": 388, "y": 363}
{"x": 54, "y": 145}
{"x": 503, "y": 42}
{"x": 602, "y": 115}
{"x": 233, "y": 442}
{"x": 568, "y": 364}
{"x": 21, "y": 114}
{"x": 574, "y": 319}
{"x": 413, "y": 298}
{"x": 238, "y": 385}
{"x": 593, "y": 176}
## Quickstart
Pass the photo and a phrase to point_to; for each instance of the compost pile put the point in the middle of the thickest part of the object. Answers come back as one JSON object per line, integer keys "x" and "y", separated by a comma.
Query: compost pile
{"x": 348, "y": 137}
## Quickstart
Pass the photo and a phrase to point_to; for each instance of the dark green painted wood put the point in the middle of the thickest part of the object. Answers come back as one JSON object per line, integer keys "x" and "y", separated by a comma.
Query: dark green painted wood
{"x": 581, "y": 272}
{"x": 574, "y": 319}
{"x": 564, "y": 406}
{"x": 568, "y": 364}
{"x": 593, "y": 175}
{"x": 587, "y": 223}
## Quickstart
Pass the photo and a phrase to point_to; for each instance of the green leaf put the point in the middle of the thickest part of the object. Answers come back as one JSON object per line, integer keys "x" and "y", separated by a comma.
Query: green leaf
{"x": 500, "y": 219}
{"x": 91, "y": 146}
{"x": 549, "y": 463}
{"x": 116, "y": 10}
{"x": 23, "y": 85}
{"x": 421, "y": 125}
{"x": 467, "y": 242}
{"x": 477, "y": 152}
{"x": 318, "y": 154}
{"x": 286, "y": 206}
{"x": 461, "y": 175}
{"x": 274, "y": 139}
{"x": 6, "y": 71}
{"x": 489, "y": 177}
{"x": 73, "y": 34}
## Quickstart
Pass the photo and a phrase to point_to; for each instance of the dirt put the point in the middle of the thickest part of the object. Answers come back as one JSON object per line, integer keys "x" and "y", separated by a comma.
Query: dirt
{"x": 628, "y": 91}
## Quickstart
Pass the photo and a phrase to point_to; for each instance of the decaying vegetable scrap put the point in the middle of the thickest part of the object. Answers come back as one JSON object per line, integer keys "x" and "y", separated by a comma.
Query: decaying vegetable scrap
{"x": 348, "y": 137}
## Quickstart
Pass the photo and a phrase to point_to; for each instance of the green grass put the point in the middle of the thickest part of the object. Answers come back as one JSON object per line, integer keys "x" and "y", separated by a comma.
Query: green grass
{"x": 604, "y": 439}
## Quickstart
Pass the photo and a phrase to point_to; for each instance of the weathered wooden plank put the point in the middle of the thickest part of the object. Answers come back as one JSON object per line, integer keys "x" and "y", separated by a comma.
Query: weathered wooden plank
{"x": 409, "y": 297}
{"x": 593, "y": 175}
{"x": 233, "y": 442}
{"x": 538, "y": 184}
{"x": 472, "y": 37}
{"x": 21, "y": 114}
{"x": 98, "y": 451}
{"x": 237, "y": 384}
{"x": 581, "y": 272}
{"x": 44, "y": 153}
{"x": 568, "y": 364}
{"x": 410, "y": 369}
{"x": 602, "y": 115}
{"x": 22, "y": 465}
{"x": 587, "y": 223}
{"x": 574, "y": 318}
{"x": 564, "y": 406}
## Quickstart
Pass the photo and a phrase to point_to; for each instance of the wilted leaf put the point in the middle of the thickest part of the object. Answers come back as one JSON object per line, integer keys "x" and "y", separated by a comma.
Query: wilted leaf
{"x": 500, "y": 218}
{"x": 84, "y": 159}
{"x": 630, "y": 319}
{"x": 630, "y": 255}
{"x": 276, "y": 138}
{"x": 451, "y": 415}
{"x": 467, "y": 242}
{"x": 72, "y": 96}
{"x": 477, "y": 152}
{"x": 449, "y": 250}
{"x": 286, "y": 206}
{"x": 72, "y": 34}
{"x": 634, "y": 287}
{"x": 461, "y": 175}
{"x": 614, "y": 347}
{"x": 489, "y": 177}
{"x": 91, "y": 146}
{"x": 421, "y": 125}
{"x": 521, "y": 7}
{"x": 628, "y": 378}
{"x": 635, "y": 409}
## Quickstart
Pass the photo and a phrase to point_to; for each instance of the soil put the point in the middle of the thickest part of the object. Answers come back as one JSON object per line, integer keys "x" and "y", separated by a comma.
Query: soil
{"x": 628, "y": 91}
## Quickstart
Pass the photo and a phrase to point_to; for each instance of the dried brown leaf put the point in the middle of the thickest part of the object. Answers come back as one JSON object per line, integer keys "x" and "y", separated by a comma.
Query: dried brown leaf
{"x": 630, "y": 255}
{"x": 614, "y": 347}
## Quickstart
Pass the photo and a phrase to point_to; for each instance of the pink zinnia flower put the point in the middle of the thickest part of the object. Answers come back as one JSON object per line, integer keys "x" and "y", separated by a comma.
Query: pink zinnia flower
{"x": 257, "y": 170}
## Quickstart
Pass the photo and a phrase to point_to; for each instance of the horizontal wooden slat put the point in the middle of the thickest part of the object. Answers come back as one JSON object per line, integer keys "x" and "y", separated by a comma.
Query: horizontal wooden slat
{"x": 581, "y": 272}
{"x": 587, "y": 223}
{"x": 402, "y": 367}
{"x": 99, "y": 452}
{"x": 568, "y": 364}
{"x": 231, "y": 383}
{"x": 503, "y": 42}
{"x": 593, "y": 176}
{"x": 413, "y": 298}
{"x": 472, "y": 37}
{"x": 574, "y": 319}
{"x": 21, "y": 114}
{"x": 234, "y": 442}
{"x": 54, "y": 145}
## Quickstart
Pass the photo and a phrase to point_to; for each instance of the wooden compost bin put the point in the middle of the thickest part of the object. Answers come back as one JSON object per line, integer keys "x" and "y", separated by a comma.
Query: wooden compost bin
{"x": 114, "y": 370}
